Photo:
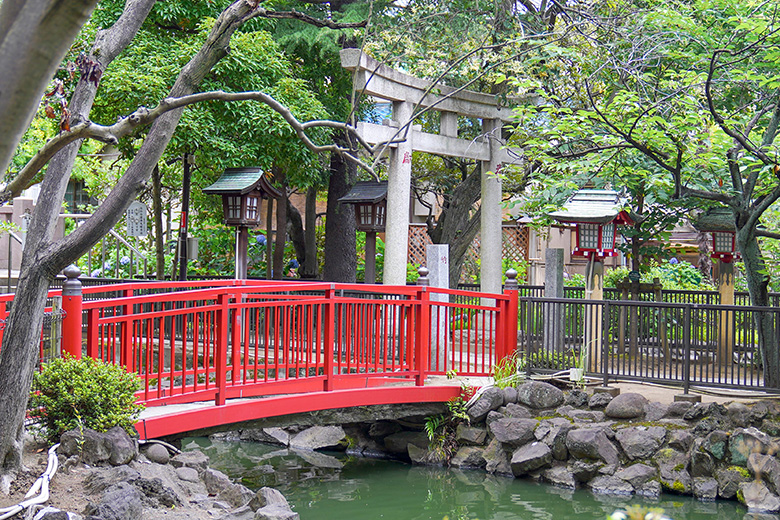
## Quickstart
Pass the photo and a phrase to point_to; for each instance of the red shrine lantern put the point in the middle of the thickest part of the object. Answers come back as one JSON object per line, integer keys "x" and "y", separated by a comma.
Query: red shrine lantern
{"x": 596, "y": 214}
{"x": 719, "y": 222}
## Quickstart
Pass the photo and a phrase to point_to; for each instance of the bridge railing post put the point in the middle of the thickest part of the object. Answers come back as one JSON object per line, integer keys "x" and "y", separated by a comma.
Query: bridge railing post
{"x": 71, "y": 304}
{"x": 422, "y": 328}
{"x": 126, "y": 358}
{"x": 223, "y": 326}
{"x": 509, "y": 316}
{"x": 329, "y": 348}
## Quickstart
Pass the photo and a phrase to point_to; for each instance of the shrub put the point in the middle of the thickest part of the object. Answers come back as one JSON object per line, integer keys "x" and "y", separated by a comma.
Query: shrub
{"x": 87, "y": 393}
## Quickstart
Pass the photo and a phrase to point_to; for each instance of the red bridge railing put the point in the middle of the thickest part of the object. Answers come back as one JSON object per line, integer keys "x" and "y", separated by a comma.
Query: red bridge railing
{"x": 201, "y": 341}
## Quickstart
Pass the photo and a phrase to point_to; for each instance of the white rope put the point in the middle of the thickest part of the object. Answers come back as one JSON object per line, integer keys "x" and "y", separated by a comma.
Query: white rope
{"x": 41, "y": 485}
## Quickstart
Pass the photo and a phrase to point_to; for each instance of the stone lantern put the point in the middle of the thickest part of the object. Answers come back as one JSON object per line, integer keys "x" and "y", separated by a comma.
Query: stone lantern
{"x": 370, "y": 201}
{"x": 596, "y": 215}
{"x": 242, "y": 190}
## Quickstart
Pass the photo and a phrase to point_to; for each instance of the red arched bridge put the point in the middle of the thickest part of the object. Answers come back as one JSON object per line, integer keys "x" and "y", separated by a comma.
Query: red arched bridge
{"x": 301, "y": 346}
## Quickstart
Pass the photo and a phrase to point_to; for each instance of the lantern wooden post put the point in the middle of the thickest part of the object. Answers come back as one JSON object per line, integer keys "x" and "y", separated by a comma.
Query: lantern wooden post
{"x": 370, "y": 201}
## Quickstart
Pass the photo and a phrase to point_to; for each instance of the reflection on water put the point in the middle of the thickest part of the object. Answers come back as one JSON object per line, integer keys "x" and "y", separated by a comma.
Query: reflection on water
{"x": 323, "y": 486}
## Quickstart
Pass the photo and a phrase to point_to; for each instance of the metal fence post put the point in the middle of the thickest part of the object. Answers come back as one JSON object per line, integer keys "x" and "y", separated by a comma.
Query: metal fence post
{"x": 687, "y": 349}
{"x": 605, "y": 343}
{"x": 511, "y": 289}
{"x": 71, "y": 304}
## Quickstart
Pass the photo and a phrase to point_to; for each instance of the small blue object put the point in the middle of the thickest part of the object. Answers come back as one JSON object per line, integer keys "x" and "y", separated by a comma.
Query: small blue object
{"x": 292, "y": 264}
{"x": 673, "y": 261}
{"x": 124, "y": 260}
{"x": 260, "y": 240}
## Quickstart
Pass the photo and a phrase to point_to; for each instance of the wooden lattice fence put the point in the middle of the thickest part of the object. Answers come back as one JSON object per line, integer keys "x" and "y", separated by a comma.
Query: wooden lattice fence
{"x": 515, "y": 248}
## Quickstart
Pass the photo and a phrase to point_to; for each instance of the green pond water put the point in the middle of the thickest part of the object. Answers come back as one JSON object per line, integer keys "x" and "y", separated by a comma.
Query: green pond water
{"x": 332, "y": 486}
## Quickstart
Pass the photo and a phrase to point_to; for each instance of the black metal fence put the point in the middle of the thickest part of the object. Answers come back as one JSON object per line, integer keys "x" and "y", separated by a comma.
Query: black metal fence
{"x": 688, "y": 344}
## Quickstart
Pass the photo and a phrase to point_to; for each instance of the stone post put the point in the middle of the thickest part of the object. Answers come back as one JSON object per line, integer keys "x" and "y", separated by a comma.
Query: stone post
{"x": 398, "y": 191}
{"x": 437, "y": 259}
{"x": 553, "y": 312}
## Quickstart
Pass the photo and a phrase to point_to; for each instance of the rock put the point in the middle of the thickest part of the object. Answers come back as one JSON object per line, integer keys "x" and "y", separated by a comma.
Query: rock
{"x": 510, "y": 395}
{"x": 553, "y": 432}
{"x": 680, "y": 440}
{"x": 491, "y": 399}
{"x": 766, "y": 468}
{"x": 216, "y": 481}
{"x": 559, "y": 476}
{"x": 274, "y": 435}
{"x": 156, "y": 493}
{"x": 607, "y": 485}
{"x": 583, "y": 471}
{"x": 496, "y": 459}
{"x": 538, "y": 395}
{"x": 123, "y": 448}
{"x": 672, "y": 470}
{"x": 91, "y": 446}
{"x": 98, "y": 481}
{"x": 771, "y": 427}
{"x": 591, "y": 443}
{"x": 695, "y": 412}
{"x": 651, "y": 489}
{"x": 419, "y": 455}
{"x": 587, "y": 416}
{"x": 729, "y": 480}
{"x": 655, "y": 411}
{"x": 599, "y": 401}
{"x": 121, "y": 501}
{"x": 739, "y": 414}
{"x": 757, "y": 497}
{"x": 157, "y": 453}
{"x": 469, "y": 457}
{"x": 678, "y": 409}
{"x": 317, "y": 437}
{"x": 268, "y": 496}
{"x": 242, "y": 513}
{"x": 759, "y": 411}
{"x": 517, "y": 411}
{"x": 194, "y": 459}
{"x": 637, "y": 474}
{"x": 470, "y": 435}
{"x": 514, "y": 432}
{"x": 381, "y": 429}
{"x": 493, "y": 416}
{"x": 705, "y": 488}
{"x": 640, "y": 442}
{"x": 187, "y": 474}
{"x": 702, "y": 463}
{"x": 626, "y": 406}
{"x": 576, "y": 398}
{"x": 398, "y": 443}
{"x": 716, "y": 444}
{"x": 743, "y": 442}
{"x": 529, "y": 458}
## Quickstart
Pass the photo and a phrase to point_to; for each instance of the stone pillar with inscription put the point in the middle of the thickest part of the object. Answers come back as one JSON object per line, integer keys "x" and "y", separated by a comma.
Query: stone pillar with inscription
{"x": 437, "y": 258}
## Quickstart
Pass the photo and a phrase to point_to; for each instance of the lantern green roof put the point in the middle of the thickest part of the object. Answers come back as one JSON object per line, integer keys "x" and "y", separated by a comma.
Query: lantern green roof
{"x": 366, "y": 191}
{"x": 717, "y": 219}
{"x": 592, "y": 206}
{"x": 239, "y": 181}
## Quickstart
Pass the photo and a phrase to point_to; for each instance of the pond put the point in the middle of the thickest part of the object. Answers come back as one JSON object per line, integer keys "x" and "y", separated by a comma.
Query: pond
{"x": 334, "y": 486}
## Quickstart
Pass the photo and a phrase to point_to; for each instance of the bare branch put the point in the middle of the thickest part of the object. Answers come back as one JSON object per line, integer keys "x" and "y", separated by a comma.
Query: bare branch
{"x": 311, "y": 20}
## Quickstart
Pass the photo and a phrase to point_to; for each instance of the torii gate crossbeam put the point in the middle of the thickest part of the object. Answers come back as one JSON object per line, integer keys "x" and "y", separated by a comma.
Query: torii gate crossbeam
{"x": 406, "y": 92}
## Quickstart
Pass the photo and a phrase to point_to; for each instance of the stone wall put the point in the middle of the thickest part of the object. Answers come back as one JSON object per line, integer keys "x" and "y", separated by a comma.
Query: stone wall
{"x": 620, "y": 446}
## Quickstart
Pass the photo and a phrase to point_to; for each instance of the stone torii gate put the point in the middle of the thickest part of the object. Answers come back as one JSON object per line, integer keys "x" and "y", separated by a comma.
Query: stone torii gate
{"x": 407, "y": 92}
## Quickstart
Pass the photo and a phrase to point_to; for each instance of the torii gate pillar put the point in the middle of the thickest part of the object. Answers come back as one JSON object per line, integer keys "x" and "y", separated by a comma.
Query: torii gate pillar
{"x": 490, "y": 242}
{"x": 399, "y": 183}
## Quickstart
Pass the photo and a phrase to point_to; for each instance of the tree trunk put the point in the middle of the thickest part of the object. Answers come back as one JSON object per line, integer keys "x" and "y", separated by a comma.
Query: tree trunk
{"x": 309, "y": 267}
{"x": 159, "y": 242}
{"x": 758, "y": 287}
{"x": 42, "y": 258}
{"x": 281, "y": 223}
{"x": 340, "y": 238}
{"x": 295, "y": 230}
{"x": 458, "y": 223}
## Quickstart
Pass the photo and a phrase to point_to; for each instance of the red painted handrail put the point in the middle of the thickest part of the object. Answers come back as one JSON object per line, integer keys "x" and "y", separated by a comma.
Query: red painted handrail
{"x": 195, "y": 341}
